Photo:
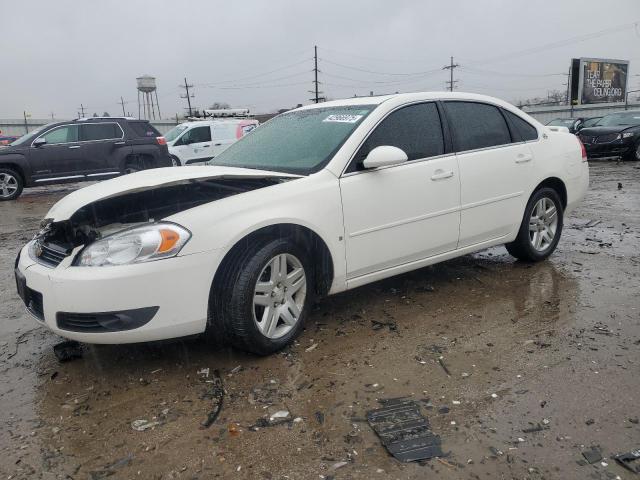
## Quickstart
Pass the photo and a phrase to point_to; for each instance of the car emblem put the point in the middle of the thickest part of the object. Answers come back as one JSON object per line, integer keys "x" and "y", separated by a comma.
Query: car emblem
{"x": 593, "y": 139}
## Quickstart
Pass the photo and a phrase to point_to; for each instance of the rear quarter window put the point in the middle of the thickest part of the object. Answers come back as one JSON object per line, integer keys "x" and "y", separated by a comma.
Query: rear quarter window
{"x": 524, "y": 129}
{"x": 144, "y": 129}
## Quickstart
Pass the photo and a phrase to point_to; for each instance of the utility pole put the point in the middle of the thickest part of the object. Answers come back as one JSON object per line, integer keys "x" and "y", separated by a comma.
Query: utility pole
{"x": 122, "y": 103}
{"x": 450, "y": 67}
{"x": 569, "y": 86}
{"x": 82, "y": 111}
{"x": 26, "y": 125}
{"x": 188, "y": 96}
{"x": 317, "y": 98}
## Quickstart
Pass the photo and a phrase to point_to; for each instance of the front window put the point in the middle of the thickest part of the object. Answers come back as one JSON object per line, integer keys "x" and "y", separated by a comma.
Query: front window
{"x": 175, "y": 132}
{"x": 620, "y": 119}
{"x": 26, "y": 138}
{"x": 301, "y": 141}
{"x": 65, "y": 134}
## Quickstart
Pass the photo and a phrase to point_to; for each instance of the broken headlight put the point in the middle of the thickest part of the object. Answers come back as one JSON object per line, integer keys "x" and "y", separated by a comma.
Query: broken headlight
{"x": 136, "y": 245}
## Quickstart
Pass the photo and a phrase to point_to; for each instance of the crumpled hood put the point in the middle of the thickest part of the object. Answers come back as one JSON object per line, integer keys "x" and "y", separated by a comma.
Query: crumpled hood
{"x": 146, "y": 180}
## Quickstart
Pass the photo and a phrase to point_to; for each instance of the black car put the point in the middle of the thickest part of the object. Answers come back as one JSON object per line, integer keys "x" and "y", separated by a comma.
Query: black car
{"x": 573, "y": 124}
{"x": 78, "y": 150}
{"x": 615, "y": 135}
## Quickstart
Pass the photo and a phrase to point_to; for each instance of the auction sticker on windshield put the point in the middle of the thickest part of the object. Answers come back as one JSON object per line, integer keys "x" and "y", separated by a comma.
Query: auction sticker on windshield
{"x": 343, "y": 118}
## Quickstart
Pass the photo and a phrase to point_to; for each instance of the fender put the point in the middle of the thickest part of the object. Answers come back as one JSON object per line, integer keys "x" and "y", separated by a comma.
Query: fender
{"x": 19, "y": 162}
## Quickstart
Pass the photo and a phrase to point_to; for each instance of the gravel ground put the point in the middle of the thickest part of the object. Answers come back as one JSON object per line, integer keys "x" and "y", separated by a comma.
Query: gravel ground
{"x": 555, "y": 344}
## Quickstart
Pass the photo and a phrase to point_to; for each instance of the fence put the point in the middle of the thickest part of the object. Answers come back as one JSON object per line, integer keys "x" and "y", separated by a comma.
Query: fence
{"x": 545, "y": 114}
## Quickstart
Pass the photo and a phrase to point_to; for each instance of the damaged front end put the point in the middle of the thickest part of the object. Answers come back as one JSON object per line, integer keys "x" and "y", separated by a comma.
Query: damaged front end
{"x": 132, "y": 219}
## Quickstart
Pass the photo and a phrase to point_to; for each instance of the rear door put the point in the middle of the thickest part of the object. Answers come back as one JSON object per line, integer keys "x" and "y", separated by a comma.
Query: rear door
{"x": 495, "y": 171}
{"x": 62, "y": 153}
{"x": 100, "y": 143}
{"x": 403, "y": 213}
{"x": 224, "y": 135}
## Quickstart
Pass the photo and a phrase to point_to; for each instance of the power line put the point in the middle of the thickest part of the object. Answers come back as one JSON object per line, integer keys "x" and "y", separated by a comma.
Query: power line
{"x": 481, "y": 71}
{"x": 404, "y": 74}
{"x": 257, "y": 75}
{"x": 451, "y": 67}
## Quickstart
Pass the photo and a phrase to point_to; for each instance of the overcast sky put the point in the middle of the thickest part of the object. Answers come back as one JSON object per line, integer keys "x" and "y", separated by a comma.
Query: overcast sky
{"x": 259, "y": 54}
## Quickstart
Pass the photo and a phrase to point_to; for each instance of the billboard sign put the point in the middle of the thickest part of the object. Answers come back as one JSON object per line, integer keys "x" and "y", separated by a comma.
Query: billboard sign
{"x": 599, "y": 80}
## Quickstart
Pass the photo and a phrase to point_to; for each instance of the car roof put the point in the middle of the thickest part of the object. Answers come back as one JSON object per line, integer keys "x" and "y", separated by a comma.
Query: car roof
{"x": 408, "y": 97}
{"x": 217, "y": 120}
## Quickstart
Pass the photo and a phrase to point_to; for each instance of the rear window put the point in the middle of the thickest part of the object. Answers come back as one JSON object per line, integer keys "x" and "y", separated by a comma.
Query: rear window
{"x": 144, "y": 129}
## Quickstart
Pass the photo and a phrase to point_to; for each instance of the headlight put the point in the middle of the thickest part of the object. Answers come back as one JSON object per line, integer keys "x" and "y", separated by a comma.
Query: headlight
{"x": 627, "y": 134}
{"x": 139, "y": 244}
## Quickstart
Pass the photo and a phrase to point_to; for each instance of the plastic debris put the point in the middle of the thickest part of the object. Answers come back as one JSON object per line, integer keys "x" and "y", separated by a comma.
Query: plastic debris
{"x": 403, "y": 430}
{"x": 311, "y": 348}
{"x": 141, "y": 425}
{"x": 279, "y": 415}
{"x": 67, "y": 351}
{"x": 629, "y": 460}
{"x": 592, "y": 455}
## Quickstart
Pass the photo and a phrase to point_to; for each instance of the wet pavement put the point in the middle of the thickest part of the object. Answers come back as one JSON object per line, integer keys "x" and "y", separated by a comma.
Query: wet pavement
{"x": 534, "y": 364}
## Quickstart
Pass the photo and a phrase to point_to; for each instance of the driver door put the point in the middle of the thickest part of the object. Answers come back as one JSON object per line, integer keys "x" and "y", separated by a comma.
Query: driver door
{"x": 63, "y": 153}
{"x": 195, "y": 145}
{"x": 407, "y": 212}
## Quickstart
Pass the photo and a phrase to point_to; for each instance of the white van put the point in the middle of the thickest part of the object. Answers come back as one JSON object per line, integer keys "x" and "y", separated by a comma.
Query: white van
{"x": 197, "y": 142}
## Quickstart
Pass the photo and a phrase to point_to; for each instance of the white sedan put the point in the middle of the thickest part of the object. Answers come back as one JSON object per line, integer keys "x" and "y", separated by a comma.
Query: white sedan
{"x": 318, "y": 200}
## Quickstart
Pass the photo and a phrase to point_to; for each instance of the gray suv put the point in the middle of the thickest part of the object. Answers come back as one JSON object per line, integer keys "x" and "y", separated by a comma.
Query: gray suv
{"x": 80, "y": 150}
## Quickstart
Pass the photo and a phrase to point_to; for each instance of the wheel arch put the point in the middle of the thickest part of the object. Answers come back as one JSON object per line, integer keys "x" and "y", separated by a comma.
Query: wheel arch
{"x": 321, "y": 256}
{"x": 556, "y": 184}
{"x": 17, "y": 167}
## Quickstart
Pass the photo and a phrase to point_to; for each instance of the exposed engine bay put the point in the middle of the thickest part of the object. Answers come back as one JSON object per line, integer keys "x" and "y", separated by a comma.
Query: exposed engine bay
{"x": 99, "y": 219}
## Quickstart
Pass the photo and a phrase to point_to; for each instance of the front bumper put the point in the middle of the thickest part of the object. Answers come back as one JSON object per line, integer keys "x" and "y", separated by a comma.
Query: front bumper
{"x": 179, "y": 287}
{"x": 617, "y": 148}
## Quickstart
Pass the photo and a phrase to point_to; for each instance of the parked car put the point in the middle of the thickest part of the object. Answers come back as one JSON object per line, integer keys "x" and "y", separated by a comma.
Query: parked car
{"x": 200, "y": 141}
{"x": 365, "y": 189}
{"x": 7, "y": 139}
{"x": 615, "y": 135}
{"x": 84, "y": 149}
{"x": 573, "y": 124}
{"x": 589, "y": 122}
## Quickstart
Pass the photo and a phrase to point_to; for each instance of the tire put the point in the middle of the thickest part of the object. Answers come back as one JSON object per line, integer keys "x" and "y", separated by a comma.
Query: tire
{"x": 248, "y": 324}
{"x": 539, "y": 232}
{"x": 634, "y": 154}
{"x": 11, "y": 184}
{"x": 175, "y": 161}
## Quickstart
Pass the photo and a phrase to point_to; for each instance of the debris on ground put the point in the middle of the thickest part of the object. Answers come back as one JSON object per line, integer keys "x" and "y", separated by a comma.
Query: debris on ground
{"x": 142, "y": 424}
{"x": 110, "y": 469}
{"x": 403, "y": 430}
{"x": 629, "y": 460}
{"x": 215, "y": 393}
{"x": 444, "y": 367}
{"x": 592, "y": 455}
{"x": 379, "y": 325}
{"x": 311, "y": 348}
{"x": 68, "y": 350}
{"x": 280, "y": 414}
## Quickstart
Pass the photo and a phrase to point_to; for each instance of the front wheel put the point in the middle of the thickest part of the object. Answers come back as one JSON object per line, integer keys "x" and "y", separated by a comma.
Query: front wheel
{"x": 11, "y": 184}
{"x": 541, "y": 227}
{"x": 266, "y": 297}
{"x": 634, "y": 154}
{"x": 175, "y": 161}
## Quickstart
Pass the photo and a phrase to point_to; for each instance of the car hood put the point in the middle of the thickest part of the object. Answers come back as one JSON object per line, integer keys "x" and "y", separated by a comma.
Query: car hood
{"x": 149, "y": 180}
{"x": 597, "y": 131}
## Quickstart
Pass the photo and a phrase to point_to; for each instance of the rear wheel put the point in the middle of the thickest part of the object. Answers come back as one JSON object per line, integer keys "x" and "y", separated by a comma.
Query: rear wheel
{"x": 175, "y": 161}
{"x": 265, "y": 297}
{"x": 11, "y": 184}
{"x": 541, "y": 227}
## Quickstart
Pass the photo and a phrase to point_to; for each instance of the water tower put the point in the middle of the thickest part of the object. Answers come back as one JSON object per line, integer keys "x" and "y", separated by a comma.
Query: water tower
{"x": 146, "y": 91}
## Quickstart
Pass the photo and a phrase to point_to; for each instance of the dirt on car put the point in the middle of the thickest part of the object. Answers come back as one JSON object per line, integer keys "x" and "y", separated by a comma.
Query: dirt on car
{"x": 519, "y": 368}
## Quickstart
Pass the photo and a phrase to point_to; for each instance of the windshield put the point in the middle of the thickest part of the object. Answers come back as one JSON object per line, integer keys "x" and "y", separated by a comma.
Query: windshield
{"x": 301, "y": 141}
{"x": 619, "y": 119}
{"x": 175, "y": 132}
{"x": 27, "y": 137}
{"x": 561, "y": 122}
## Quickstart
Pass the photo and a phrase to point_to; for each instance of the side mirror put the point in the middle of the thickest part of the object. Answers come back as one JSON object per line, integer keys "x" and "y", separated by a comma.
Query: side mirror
{"x": 38, "y": 142}
{"x": 384, "y": 156}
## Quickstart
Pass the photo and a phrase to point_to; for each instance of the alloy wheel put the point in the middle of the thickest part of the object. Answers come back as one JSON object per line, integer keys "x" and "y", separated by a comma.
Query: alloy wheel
{"x": 279, "y": 295}
{"x": 543, "y": 224}
{"x": 8, "y": 185}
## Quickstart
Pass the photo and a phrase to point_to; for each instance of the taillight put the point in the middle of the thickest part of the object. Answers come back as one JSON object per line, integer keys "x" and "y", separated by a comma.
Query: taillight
{"x": 163, "y": 141}
{"x": 584, "y": 150}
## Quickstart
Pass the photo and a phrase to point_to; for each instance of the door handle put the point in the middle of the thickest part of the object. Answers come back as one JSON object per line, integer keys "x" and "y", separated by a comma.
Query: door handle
{"x": 524, "y": 158}
{"x": 72, "y": 147}
{"x": 206, "y": 146}
{"x": 218, "y": 144}
{"x": 441, "y": 175}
